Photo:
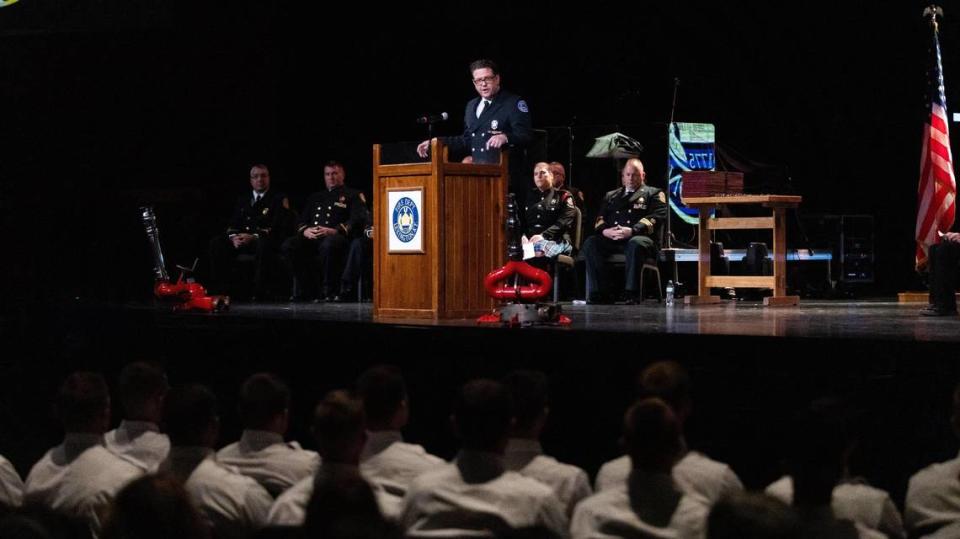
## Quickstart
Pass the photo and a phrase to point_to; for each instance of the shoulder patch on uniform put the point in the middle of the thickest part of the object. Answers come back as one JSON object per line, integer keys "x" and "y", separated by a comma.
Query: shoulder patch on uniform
{"x": 286, "y": 203}
{"x": 662, "y": 196}
{"x": 362, "y": 198}
{"x": 569, "y": 201}
{"x": 522, "y": 106}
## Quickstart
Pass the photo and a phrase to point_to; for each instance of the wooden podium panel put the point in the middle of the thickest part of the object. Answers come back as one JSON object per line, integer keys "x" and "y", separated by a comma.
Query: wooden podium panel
{"x": 463, "y": 213}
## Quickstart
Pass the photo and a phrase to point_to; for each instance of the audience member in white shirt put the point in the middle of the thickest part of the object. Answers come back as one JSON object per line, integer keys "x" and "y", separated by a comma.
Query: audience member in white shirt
{"x": 80, "y": 477}
{"x": 649, "y": 503}
{"x": 525, "y": 455}
{"x": 694, "y": 472}
{"x": 342, "y": 503}
{"x": 933, "y": 494}
{"x": 821, "y": 445}
{"x": 232, "y": 504}
{"x": 863, "y": 504}
{"x": 388, "y": 461}
{"x": 141, "y": 390}
{"x": 338, "y": 425}
{"x": 11, "y": 486}
{"x": 476, "y": 496}
{"x": 261, "y": 452}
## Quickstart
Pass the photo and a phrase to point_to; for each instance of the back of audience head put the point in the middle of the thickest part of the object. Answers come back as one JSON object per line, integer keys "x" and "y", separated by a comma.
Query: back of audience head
{"x": 35, "y": 521}
{"x": 384, "y": 395}
{"x": 483, "y": 415}
{"x": 955, "y": 416}
{"x": 823, "y": 440}
{"x": 343, "y": 505}
{"x": 668, "y": 381}
{"x": 141, "y": 389}
{"x": 651, "y": 434}
{"x": 339, "y": 427}
{"x": 154, "y": 507}
{"x": 83, "y": 403}
{"x": 190, "y": 416}
{"x": 751, "y": 515}
{"x": 265, "y": 403}
{"x": 530, "y": 393}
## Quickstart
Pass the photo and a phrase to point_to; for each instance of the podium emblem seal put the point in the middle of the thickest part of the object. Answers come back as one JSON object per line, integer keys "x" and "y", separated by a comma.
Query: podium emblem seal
{"x": 406, "y": 219}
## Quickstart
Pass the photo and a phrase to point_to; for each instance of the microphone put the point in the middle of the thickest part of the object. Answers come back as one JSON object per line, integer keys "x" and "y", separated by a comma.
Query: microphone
{"x": 433, "y": 118}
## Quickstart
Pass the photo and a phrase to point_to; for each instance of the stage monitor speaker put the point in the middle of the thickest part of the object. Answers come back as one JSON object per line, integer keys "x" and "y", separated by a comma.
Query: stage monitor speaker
{"x": 857, "y": 249}
{"x": 719, "y": 262}
{"x": 757, "y": 260}
{"x": 850, "y": 240}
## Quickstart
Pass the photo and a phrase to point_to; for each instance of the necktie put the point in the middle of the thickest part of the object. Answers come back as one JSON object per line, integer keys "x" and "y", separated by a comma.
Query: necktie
{"x": 256, "y": 198}
{"x": 483, "y": 106}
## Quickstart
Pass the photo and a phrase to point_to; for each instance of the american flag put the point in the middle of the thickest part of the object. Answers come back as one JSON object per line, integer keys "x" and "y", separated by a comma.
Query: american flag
{"x": 938, "y": 187}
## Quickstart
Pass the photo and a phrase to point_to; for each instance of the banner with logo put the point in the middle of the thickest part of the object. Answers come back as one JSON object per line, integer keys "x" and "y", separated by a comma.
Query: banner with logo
{"x": 405, "y": 220}
{"x": 691, "y": 147}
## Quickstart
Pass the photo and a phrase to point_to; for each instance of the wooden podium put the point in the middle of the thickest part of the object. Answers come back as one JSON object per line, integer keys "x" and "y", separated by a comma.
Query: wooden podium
{"x": 461, "y": 215}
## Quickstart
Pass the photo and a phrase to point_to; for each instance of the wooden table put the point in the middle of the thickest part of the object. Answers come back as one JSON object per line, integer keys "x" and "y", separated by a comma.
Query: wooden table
{"x": 776, "y": 222}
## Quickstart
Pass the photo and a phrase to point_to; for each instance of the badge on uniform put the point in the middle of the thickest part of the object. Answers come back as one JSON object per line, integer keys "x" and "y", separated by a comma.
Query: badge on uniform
{"x": 522, "y": 106}
{"x": 641, "y": 204}
{"x": 494, "y": 125}
{"x": 265, "y": 211}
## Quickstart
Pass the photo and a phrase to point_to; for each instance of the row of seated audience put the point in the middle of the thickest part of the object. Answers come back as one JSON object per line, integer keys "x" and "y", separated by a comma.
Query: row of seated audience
{"x": 328, "y": 248}
{"x": 158, "y": 474}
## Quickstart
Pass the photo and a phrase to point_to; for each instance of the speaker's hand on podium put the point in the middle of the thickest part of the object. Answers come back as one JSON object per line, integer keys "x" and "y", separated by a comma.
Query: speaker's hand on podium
{"x": 497, "y": 141}
{"x": 423, "y": 149}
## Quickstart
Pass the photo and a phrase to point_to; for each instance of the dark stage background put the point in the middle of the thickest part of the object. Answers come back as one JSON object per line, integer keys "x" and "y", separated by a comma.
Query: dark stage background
{"x": 109, "y": 104}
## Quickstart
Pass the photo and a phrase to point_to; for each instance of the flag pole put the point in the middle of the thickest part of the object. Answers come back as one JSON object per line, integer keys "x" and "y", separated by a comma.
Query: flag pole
{"x": 668, "y": 233}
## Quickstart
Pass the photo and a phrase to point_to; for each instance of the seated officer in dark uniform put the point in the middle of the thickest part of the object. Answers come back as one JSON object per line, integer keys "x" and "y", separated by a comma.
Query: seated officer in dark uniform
{"x": 627, "y": 223}
{"x": 329, "y": 220}
{"x": 261, "y": 220}
{"x": 549, "y": 215}
{"x": 493, "y": 120}
{"x": 943, "y": 259}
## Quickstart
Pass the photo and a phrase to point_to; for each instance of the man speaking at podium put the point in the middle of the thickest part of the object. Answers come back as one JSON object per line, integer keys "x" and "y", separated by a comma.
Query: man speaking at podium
{"x": 493, "y": 120}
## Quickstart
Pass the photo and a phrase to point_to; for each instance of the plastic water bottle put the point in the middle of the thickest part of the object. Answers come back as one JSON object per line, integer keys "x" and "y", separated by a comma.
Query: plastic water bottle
{"x": 670, "y": 293}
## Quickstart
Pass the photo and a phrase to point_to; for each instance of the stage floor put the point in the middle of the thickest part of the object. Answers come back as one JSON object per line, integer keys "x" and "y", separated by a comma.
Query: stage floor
{"x": 883, "y": 319}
